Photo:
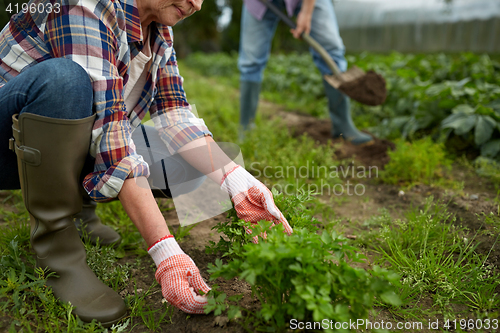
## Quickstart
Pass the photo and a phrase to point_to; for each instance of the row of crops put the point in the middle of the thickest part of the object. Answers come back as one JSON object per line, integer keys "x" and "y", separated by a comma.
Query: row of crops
{"x": 453, "y": 98}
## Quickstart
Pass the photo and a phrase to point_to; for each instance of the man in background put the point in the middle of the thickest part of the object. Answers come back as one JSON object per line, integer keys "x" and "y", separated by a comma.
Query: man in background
{"x": 314, "y": 17}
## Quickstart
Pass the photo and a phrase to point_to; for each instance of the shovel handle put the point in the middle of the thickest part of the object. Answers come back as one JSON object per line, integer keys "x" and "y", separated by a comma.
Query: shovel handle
{"x": 322, "y": 52}
{"x": 309, "y": 40}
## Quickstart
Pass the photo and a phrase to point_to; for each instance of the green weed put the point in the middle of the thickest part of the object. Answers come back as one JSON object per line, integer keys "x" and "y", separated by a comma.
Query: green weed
{"x": 488, "y": 168}
{"x": 421, "y": 161}
{"x": 26, "y": 303}
{"x": 448, "y": 95}
{"x": 181, "y": 232}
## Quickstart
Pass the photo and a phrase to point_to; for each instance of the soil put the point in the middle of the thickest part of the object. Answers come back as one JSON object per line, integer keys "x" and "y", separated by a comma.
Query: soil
{"x": 352, "y": 210}
{"x": 372, "y": 154}
{"x": 369, "y": 89}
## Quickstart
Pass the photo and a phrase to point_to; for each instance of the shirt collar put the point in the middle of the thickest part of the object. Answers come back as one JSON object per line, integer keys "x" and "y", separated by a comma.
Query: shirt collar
{"x": 133, "y": 24}
{"x": 132, "y": 21}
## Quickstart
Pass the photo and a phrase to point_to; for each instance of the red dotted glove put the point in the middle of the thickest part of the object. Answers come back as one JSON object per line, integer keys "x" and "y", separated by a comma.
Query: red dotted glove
{"x": 178, "y": 276}
{"x": 252, "y": 200}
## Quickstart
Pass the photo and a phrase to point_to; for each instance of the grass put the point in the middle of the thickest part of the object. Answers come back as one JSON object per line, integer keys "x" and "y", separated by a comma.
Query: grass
{"x": 437, "y": 262}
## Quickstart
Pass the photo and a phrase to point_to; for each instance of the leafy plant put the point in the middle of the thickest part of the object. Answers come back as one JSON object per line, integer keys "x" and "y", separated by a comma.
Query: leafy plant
{"x": 307, "y": 276}
{"x": 218, "y": 302}
{"x": 482, "y": 120}
{"x": 438, "y": 94}
{"x": 139, "y": 306}
{"x": 102, "y": 260}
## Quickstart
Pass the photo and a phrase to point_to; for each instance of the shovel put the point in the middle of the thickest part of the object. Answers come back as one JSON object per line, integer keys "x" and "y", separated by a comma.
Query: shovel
{"x": 367, "y": 88}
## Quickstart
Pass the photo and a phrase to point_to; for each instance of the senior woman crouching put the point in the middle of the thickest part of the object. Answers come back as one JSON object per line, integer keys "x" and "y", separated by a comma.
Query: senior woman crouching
{"x": 76, "y": 78}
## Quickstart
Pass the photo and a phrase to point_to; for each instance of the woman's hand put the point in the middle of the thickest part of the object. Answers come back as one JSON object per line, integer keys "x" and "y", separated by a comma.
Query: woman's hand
{"x": 180, "y": 279}
{"x": 252, "y": 200}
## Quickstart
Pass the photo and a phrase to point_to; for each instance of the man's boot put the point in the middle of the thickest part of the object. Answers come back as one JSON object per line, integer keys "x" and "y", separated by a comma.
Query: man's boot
{"x": 89, "y": 224}
{"x": 340, "y": 114}
{"x": 50, "y": 154}
{"x": 249, "y": 100}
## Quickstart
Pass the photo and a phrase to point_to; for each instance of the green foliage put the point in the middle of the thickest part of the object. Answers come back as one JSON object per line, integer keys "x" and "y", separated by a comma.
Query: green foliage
{"x": 439, "y": 94}
{"x": 29, "y": 304}
{"x": 421, "y": 161}
{"x": 218, "y": 302}
{"x": 275, "y": 157}
{"x": 26, "y": 303}
{"x": 235, "y": 236}
{"x": 291, "y": 80}
{"x": 306, "y": 276}
{"x": 482, "y": 120}
{"x": 216, "y": 64}
{"x": 102, "y": 261}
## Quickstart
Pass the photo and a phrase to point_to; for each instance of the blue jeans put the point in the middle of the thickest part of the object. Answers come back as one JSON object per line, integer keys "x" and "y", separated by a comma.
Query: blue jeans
{"x": 56, "y": 88}
{"x": 256, "y": 37}
{"x": 60, "y": 88}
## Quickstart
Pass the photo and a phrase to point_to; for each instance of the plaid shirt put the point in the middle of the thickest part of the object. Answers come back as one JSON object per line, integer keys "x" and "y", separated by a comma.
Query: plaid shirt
{"x": 103, "y": 36}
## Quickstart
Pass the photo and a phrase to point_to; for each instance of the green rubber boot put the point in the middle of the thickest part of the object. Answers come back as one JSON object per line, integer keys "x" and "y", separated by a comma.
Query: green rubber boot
{"x": 50, "y": 154}
{"x": 89, "y": 225}
{"x": 340, "y": 114}
{"x": 249, "y": 100}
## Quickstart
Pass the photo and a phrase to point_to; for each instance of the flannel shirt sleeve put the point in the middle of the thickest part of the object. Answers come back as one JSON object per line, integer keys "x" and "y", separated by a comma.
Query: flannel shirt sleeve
{"x": 93, "y": 42}
{"x": 171, "y": 112}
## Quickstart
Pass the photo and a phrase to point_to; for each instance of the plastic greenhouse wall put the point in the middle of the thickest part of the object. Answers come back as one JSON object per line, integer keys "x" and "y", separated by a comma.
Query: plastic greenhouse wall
{"x": 420, "y": 26}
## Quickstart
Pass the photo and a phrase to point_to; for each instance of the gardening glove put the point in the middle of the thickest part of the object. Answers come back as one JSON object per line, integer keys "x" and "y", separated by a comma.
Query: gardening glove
{"x": 252, "y": 200}
{"x": 178, "y": 276}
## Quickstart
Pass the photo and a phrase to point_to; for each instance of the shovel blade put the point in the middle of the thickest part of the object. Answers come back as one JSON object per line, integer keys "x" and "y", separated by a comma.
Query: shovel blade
{"x": 367, "y": 88}
{"x": 352, "y": 74}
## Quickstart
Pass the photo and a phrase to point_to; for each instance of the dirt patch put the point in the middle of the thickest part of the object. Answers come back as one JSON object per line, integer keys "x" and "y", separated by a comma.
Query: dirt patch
{"x": 369, "y": 89}
{"x": 373, "y": 154}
